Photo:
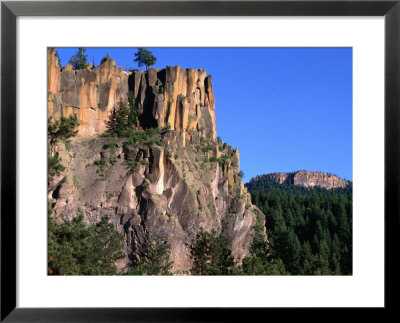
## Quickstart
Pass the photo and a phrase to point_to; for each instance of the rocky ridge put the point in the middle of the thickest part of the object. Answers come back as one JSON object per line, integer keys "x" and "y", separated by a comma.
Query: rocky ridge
{"x": 305, "y": 179}
{"x": 181, "y": 98}
{"x": 173, "y": 183}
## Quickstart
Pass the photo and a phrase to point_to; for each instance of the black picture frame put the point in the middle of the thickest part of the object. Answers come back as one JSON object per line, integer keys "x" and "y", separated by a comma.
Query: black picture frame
{"x": 10, "y": 10}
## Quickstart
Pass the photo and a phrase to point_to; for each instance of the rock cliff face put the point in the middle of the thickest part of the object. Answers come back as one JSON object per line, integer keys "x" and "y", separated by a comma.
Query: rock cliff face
{"x": 185, "y": 182}
{"x": 305, "y": 178}
{"x": 90, "y": 94}
{"x": 182, "y": 99}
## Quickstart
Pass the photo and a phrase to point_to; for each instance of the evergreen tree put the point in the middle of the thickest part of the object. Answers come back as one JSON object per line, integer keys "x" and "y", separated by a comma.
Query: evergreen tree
{"x": 155, "y": 260}
{"x": 144, "y": 57}
{"x": 75, "y": 249}
{"x": 308, "y": 228}
{"x": 211, "y": 254}
{"x": 122, "y": 120}
{"x": 54, "y": 166}
{"x": 62, "y": 129}
{"x": 260, "y": 262}
{"x": 79, "y": 60}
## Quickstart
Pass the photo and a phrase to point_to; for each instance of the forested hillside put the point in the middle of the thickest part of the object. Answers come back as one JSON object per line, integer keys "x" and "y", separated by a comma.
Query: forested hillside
{"x": 309, "y": 229}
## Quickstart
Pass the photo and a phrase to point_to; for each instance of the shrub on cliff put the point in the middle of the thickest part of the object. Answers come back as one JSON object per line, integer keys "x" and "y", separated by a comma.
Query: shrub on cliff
{"x": 54, "y": 166}
{"x": 144, "y": 57}
{"x": 63, "y": 128}
{"x": 79, "y": 60}
{"x": 74, "y": 249}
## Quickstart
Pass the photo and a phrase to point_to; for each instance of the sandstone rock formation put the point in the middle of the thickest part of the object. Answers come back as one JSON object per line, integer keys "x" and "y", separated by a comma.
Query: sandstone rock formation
{"x": 181, "y": 98}
{"x": 89, "y": 93}
{"x": 186, "y": 182}
{"x": 305, "y": 178}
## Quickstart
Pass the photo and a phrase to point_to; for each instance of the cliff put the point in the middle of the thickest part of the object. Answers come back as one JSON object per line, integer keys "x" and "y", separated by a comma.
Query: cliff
{"x": 170, "y": 183}
{"x": 305, "y": 179}
{"x": 181, "y": 98}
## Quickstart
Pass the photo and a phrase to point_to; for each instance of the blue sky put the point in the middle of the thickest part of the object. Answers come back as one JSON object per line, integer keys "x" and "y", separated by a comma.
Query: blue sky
{"x": 286, "y": 109}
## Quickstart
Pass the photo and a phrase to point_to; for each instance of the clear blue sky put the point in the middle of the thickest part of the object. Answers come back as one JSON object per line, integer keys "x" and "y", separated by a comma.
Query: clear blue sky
{"x": 286, "y": 109}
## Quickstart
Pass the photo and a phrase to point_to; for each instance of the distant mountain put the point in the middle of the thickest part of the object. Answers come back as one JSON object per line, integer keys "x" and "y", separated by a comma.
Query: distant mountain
{"x": 301, "y": 178}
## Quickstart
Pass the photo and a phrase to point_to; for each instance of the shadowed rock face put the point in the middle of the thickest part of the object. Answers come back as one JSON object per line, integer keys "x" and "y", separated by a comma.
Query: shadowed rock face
{"x": 182, "y": 99}
{"x": 306, "y": 179}
{"x": 170, "y": 190}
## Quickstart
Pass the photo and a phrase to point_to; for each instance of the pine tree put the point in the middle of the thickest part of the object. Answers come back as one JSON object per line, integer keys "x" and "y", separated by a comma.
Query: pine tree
{"x": 260, "y": 262}
{"x": 62, "y": 129}
{"x": 79, "y": 60}
{"x": 122, "y": 120}
{"x": 54, "y": 166}
{"x": 210, "y": 254}
{"x": 155, "y": 260}
{"x": 75, "y": 249}
{"x": 144, "y": 57}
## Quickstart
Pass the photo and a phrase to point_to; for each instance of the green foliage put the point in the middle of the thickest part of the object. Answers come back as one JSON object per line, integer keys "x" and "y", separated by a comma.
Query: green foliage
{"x": 144, "y": 57}
{"x": 101, "y": 161}
{"x": 54, "y": 166}
{"x": 220, "y": 160}
{"x": 111, "y": 144}
{"x": 75, "y": 249}
{"x": 176, "y": 156}
{"x": 62, "y": 129}
{"x": 79, "y": 60}
{"x": 75, "y": 181}
{"x": 308, "y": 228}
{"x": 211, "y": 254}
{"x": 149, "y": 136}
{"x": 107, "y": 134}
{"x": 122, "y": 121}
{"x": 207, "y": 148}
{"x": 155, "y": 260}
{"x": 241, "y": 174}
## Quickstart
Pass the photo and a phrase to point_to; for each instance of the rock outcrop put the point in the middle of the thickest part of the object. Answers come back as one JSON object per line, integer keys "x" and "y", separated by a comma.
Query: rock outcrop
{"x": 90, "y": 93}
{"x": 181, "y": 99}
{"x": 173, "y": 185}
{"x": 305, "y": 179}
{"x": 171, "y": 190}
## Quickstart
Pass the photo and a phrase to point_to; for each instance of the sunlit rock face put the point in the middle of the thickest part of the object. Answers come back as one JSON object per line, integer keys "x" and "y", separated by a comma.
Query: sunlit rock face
{"x": 181, "y": 98}
{"x": 306, "y": 179}
{"x": 90, "y": 93}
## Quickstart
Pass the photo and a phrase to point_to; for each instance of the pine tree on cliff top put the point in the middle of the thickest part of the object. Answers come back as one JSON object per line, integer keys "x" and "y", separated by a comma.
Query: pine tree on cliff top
{"x": 144, "y": 57}
{"x": 79, "y": 60}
